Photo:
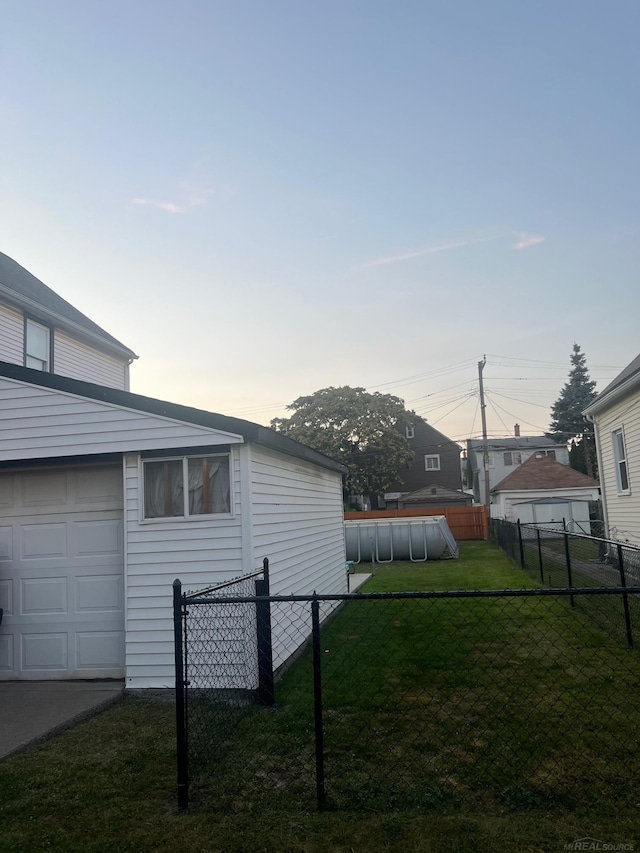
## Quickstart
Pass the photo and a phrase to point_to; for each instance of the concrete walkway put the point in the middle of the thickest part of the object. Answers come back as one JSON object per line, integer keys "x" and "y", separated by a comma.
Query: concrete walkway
{"x": 33, "y": 711}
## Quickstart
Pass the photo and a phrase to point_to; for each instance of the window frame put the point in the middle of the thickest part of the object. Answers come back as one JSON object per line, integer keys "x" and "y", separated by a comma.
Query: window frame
{"x": 186, "y": 516}
{"x": 410, "y": 432}
{"x": 512, "y": 463}
{"x": 618, "y": 460}
{"x": 35, "y": 321}
{"x": 431, "y": 456}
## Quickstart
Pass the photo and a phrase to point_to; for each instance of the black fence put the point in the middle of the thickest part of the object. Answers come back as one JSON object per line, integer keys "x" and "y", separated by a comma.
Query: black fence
{"x": 426, "y": 700}
{"x": 557, "y": 558}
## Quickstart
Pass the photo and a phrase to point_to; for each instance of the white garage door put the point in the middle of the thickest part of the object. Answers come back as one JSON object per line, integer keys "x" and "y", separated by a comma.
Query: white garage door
{"x": 61, "y": 573}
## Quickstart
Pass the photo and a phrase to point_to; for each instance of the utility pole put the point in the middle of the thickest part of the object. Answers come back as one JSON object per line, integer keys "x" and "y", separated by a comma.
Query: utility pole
{"x": 485, "y": 441}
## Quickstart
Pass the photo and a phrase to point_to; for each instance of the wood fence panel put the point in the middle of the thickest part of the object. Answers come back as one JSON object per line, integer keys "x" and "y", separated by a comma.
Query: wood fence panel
{"x": 466, "y": 522}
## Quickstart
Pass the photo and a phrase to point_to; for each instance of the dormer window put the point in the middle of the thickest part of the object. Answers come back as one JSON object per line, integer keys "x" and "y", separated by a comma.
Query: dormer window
{"x": 37, "y": 346}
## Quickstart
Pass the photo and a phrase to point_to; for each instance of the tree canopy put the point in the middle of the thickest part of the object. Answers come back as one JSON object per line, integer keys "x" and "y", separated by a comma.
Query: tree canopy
{"x": 356, "y": 428}
{"x": 568, "y": 424}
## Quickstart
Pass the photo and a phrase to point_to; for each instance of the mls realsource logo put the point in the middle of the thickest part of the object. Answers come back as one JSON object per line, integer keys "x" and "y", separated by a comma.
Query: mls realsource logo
{"x": 594, "y": 844}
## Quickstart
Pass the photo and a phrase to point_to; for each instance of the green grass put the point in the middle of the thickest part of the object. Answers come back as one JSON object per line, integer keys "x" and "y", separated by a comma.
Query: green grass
{"x": 466, "y": 726}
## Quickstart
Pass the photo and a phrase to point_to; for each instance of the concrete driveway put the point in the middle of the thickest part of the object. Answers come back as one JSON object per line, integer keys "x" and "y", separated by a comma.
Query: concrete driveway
{"x": 32, "y": 711}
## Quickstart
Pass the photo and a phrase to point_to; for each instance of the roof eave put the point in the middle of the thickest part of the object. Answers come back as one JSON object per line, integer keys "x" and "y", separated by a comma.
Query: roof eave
{"x": 613, "y": 396}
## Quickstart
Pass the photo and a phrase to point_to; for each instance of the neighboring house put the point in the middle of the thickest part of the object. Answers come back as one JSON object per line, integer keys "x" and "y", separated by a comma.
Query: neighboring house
{"x": 106, "y": 497}
{"x": 505, "y": 455}
{"x": 41, "y": 330}
{"x": 544, "y": 491}
{"x": 615, "y": 414}
{"x": 436, "y": 462}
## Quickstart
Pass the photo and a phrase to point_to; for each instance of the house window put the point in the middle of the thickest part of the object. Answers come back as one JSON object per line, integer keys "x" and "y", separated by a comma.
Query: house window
{"x": 550, "y": 453}
{"x": 512, "y": 458}
{"x": 410, "y": 432}
{"x": 186, "y": 487}
{"x": 432, "y": 462}
{"x": 620, "y": 460}
{"x": 37, "y": 346}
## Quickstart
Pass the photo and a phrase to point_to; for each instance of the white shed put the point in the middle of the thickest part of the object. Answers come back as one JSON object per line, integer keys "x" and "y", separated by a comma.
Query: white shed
{"x": 107, "y": 496}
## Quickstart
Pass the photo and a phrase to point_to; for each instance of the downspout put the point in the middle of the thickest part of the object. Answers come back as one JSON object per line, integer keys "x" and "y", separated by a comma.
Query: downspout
{"x": 596, "y": 433}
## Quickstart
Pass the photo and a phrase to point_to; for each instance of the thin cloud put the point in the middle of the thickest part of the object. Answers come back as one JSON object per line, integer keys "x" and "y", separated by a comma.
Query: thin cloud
{"x": 526, "y": 241}
{"x": 191, "y": 195}
{"x": 428, "y": 250}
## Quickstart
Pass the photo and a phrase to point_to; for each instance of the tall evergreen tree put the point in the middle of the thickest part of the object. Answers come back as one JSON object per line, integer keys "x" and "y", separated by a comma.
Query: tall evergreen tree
{"x": 568, "y": 423}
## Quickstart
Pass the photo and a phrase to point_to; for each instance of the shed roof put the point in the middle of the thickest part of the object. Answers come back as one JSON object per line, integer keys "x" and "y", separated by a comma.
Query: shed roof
{"x": 22, "y": 288}
{"x": 249, "y": 431}
{"x": 542, "y": 472}
{"x": 434, "y": 492}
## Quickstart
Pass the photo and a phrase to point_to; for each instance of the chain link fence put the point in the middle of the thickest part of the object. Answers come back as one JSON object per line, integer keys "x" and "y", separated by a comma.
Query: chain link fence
{"x": 558, "y": 558}
{"x": 445, "y": 701}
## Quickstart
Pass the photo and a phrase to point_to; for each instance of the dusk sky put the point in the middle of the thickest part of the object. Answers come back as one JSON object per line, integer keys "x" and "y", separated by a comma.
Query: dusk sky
{"x": 267, "y": 197}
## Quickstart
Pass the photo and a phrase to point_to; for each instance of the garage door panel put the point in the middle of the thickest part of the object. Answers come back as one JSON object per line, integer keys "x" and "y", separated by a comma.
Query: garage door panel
{"x": 6, "y": 653}
{"x": 61, "y": 574}
{"x": 43, "y": 540}
{"x": 97, "y": 537}
{"x": 99, "y": 594}
{"x": 40, "y": 596}
{"x": 6, "y": 596}
{"x": 44, "y": 490}
{"x": 97, "y": 650}
{"x": 44, "y": 652}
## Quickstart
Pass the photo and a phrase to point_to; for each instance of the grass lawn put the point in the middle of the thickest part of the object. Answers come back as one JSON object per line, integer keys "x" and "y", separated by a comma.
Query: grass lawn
{"x": 467, "y": 725}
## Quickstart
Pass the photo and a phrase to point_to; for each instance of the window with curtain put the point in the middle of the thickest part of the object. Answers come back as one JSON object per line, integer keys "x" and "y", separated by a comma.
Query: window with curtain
{"x": 186, "y": 487}
{"x": 620, "y": 459}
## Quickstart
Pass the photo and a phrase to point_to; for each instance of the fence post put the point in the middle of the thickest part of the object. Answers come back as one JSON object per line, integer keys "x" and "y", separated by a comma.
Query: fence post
{"x": 317, "y": 701}
{"x": 520, "y": 545}
{"x": 568, "y": 560}
{"x": 265, "y": 641}
{"x": 181, "y": 728}
{"x": 540, "y": 555}
{"x": 625, "y": 597}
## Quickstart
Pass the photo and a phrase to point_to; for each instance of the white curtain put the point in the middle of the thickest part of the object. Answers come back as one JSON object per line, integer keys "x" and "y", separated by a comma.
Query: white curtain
{"x": 163, "y": 489}
{"x": 209, "y": 490}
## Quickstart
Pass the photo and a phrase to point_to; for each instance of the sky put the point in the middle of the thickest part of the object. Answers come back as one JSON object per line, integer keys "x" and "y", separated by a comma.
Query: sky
{"x": 263, "y": 198}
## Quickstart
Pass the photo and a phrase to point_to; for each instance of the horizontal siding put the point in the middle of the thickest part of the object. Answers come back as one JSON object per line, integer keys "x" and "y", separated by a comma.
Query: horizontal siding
{"x": 298, "y": 523}
{"x": 623, "y": 511}
{"x": 11, "y": 335}
{"x": 38, "y": 423}
{"x": 78, "y": 360}
{"x": 200, "y": 552}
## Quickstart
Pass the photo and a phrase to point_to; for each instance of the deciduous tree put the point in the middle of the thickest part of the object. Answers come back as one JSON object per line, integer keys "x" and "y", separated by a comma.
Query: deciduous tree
{"x": 356, "y": 428}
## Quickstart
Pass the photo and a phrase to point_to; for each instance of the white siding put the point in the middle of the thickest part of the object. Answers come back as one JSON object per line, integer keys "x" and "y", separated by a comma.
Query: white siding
{"x": 11, "y": 335}
{"x": 201, "y": 552}
{"x": 298, "y": 523}
{"x": 79, "y": 360}
{"x": 622, "y": 511}
{"x": 37, "y": 423}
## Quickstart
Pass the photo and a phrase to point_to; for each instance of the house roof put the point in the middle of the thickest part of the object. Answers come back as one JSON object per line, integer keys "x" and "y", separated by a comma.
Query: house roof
{"x": 434, "y": 492}
{"x": 627, "y": 378}
{"x": 542, "y": 472}
{"x": 249, "y": 431}
{"x": 520, "y": 442}
{"x": 23, "y": 289}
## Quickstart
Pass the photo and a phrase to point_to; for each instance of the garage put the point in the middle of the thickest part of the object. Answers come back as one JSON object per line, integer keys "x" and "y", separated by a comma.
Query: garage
{"x": 62, "y": 572}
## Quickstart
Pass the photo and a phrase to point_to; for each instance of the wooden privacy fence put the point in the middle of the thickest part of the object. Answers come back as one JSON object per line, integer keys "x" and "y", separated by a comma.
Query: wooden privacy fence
{"x": 465, "y": 522}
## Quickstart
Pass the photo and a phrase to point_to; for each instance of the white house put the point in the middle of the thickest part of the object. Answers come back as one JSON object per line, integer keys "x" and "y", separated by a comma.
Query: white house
{"x": 615, "y": 414}
{"x": 505, "y": 455}
{"x": 41, "y": 330}
{"x": 107, "y": 496}
{"x": 544, "y": 491}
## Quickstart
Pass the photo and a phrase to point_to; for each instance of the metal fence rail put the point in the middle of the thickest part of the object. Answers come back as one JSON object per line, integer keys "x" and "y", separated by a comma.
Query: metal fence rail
{"x": 425, "y": 700}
